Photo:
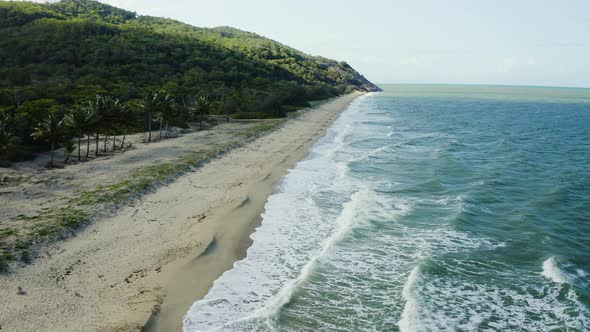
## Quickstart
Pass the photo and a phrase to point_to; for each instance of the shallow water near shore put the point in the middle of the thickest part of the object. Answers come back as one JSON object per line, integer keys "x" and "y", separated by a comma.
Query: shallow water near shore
{"x": 425, "y": 208}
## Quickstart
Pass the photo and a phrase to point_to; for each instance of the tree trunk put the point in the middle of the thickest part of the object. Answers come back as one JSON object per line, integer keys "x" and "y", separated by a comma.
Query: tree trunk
{"x": 161, "y": 118}
{"x": 88, "y": 147}
{"x": 149, "y": 127}
{"x": 97, "y": 139}
{"x": 166, "y": 131}
{"x": 186, "y": 118}
{"x": 52, "y": 153}
{"x": 79, "y": 146}
{"x": 200, "y": 123}
{"x": 123, "y": 141}
{"x": 114, "y": 138}
{"x": 223, "y": 103}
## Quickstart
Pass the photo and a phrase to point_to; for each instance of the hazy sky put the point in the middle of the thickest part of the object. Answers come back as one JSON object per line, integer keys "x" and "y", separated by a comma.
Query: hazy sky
{"x": 530, "y": 42}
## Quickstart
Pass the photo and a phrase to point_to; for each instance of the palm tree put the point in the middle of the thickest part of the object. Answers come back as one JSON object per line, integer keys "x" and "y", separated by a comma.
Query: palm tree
{"x": 79, "y": 120}
{"x": 150, "y": 104}
{"x": 69, "y": 149}
{"x": 185, "y": 106}
{"x": 202, "y": 110}
{"x": 127, "y": 120}
{"x": 112, "y": 108}
{"x": 166, "y": 107}
{"x": 50, "y": 130}
{"x": 225, "y": 109}
{"x": 96, "y": 108}
{"x": 103, "y": 107}
{"x": 121, "y": 119}
{"x": 90, "y": 127}
{"x": 8, "y": 137}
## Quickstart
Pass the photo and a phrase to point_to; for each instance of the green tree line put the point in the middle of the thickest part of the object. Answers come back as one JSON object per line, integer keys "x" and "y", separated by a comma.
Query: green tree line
{"x": 100, "y": 121}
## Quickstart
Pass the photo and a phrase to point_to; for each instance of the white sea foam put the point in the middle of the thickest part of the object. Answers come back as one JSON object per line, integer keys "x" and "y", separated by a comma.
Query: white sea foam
{"x": 409, "y": 321}
{"x": 344, "y": 223}
{"x": 452, "y": 303}
{"x": 301, "y": 223}
{"x": 552, "y": 271}
{"x": 370, "y": 153}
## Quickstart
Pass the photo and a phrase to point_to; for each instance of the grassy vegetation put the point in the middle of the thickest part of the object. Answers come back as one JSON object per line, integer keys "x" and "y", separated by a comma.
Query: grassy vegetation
{"x": 261, "y": 128}
{"x": 52, "y": 224}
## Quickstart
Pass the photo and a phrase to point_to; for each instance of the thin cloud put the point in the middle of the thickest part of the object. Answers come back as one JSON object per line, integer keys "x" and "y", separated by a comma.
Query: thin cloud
{"x": 442, "y": 52}
{"x": 568, "y": 44}
{"x": 505, "y": 65}
{"x": 410, "y": 61}
{"x": 531, "y": 61}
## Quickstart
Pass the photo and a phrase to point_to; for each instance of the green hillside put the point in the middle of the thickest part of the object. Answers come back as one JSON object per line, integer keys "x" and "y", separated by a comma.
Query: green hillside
{"x": 55, "y": 56}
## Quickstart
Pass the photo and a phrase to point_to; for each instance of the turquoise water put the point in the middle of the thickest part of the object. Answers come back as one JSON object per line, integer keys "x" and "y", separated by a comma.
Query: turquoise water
{"x": 425, "y": 208}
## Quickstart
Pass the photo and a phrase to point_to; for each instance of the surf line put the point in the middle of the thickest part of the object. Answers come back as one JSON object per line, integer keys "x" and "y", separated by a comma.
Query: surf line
{"x": 344, "y": 222}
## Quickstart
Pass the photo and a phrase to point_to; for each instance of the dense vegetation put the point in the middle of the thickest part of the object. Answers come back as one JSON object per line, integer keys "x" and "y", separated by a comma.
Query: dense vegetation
{"x": 60, "y": 61}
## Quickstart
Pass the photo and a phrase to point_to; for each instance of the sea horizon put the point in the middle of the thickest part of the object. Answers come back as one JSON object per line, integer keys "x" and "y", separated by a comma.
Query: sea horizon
{"x": 489, "y": 84}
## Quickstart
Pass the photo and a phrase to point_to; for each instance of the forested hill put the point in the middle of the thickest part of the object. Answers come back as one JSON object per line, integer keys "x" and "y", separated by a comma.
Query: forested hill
{"x": 55, "y": 57}
{"x": 65, "y": 53}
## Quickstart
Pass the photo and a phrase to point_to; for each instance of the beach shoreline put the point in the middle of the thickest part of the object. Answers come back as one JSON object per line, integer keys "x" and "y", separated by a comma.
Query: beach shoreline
{"x": 143, "y": 267}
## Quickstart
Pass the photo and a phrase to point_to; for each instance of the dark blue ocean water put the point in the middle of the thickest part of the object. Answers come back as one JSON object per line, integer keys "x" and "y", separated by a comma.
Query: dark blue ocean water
{"x": 425, "y": 208}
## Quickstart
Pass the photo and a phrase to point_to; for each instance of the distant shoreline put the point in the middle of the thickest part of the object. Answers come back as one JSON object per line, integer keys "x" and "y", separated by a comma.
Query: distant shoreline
{"x": 145, "y": 265}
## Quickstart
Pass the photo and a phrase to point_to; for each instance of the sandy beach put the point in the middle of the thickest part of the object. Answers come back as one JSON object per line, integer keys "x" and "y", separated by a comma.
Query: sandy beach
{"x": 144, "y": 265}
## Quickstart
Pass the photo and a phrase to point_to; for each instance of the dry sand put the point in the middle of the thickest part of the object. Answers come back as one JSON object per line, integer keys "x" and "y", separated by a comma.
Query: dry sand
{"x": 147, "y": 263}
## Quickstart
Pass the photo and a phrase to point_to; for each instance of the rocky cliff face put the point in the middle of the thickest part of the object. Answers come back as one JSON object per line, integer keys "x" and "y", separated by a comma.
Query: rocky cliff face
{"x": 365, "y": 85}
{"x": 355, "y": 78}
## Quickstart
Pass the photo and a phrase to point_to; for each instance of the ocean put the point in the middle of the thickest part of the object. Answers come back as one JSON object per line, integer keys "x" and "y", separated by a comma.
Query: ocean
{"x": 425, "y": 208}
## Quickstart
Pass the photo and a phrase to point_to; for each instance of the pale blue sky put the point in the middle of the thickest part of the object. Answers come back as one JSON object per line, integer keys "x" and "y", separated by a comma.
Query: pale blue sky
{"x": 523, "y": 42}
